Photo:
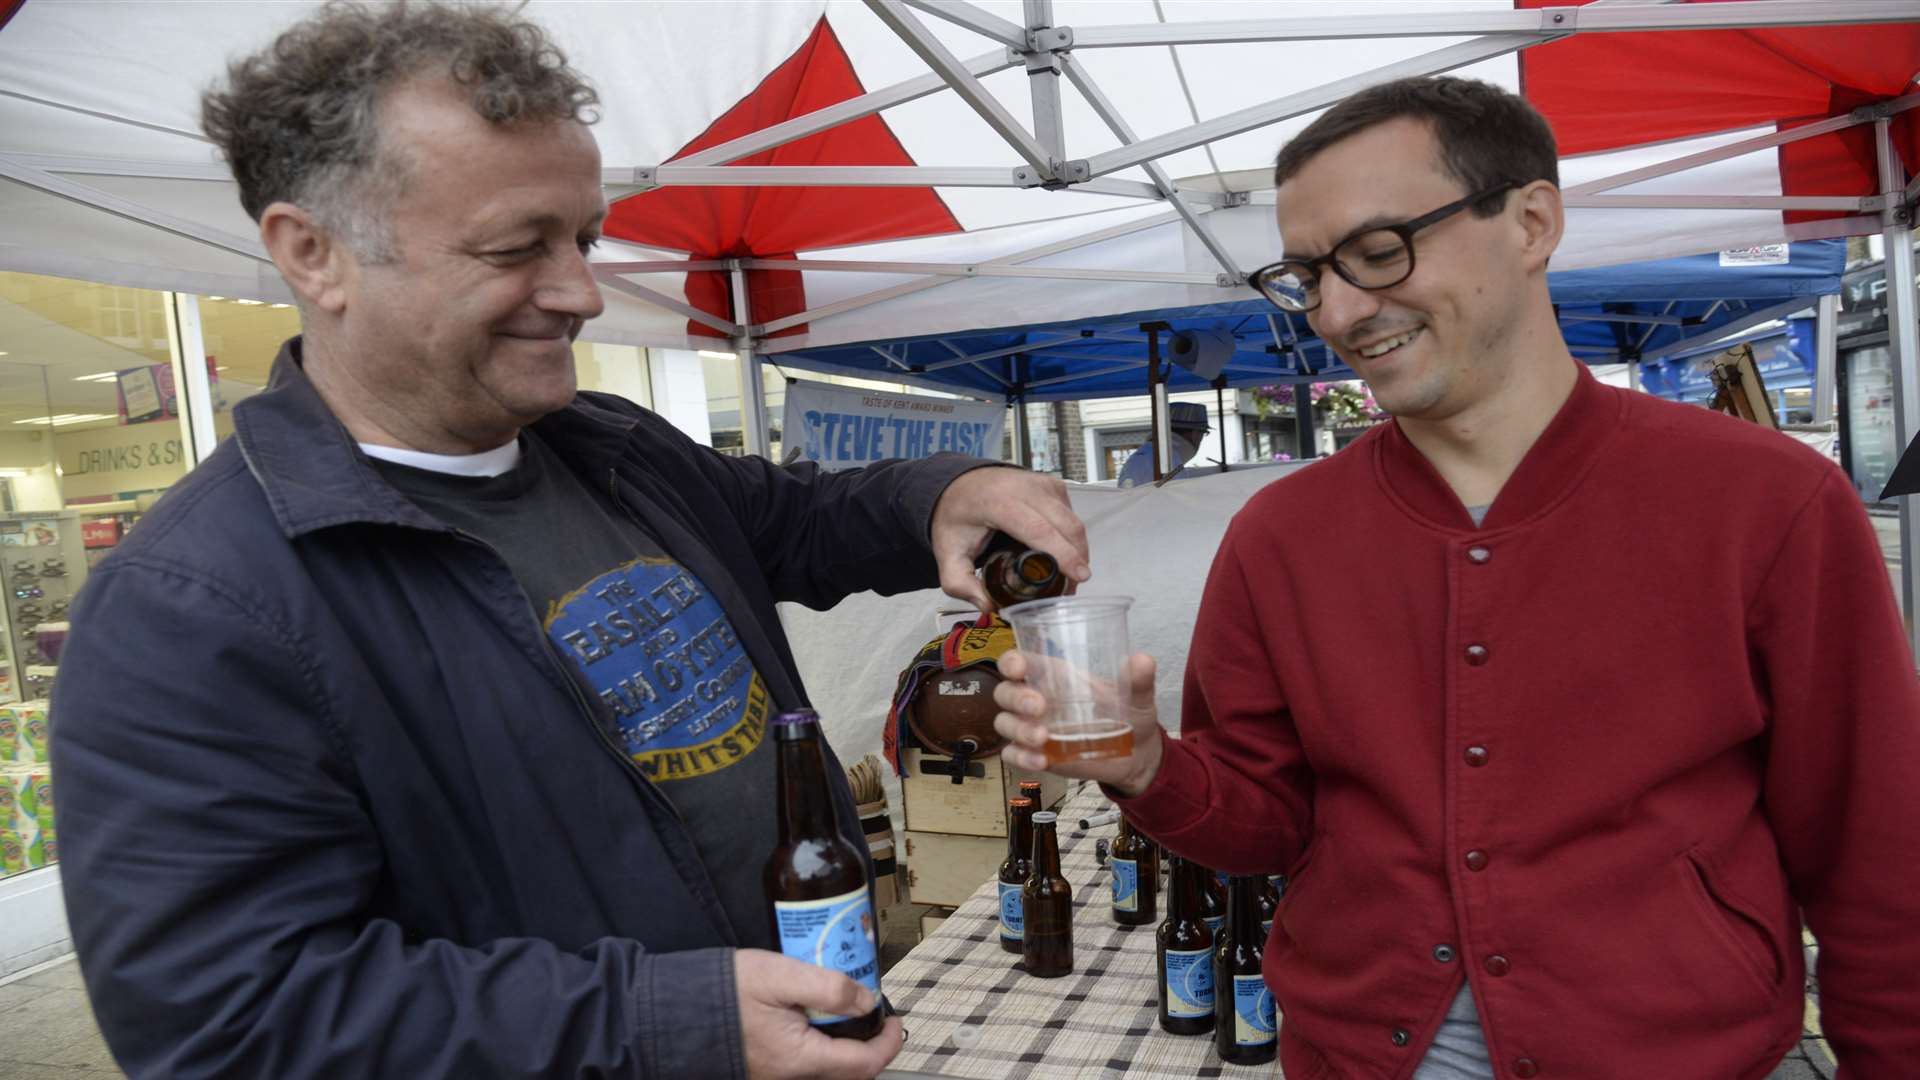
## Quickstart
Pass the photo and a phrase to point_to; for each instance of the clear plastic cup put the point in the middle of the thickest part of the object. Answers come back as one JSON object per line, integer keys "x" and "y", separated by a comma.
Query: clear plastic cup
{"x": 1076, "y": 649}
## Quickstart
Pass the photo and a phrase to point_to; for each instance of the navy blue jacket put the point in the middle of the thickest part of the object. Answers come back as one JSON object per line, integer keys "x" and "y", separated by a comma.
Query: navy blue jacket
{"x": 331, "y": 805}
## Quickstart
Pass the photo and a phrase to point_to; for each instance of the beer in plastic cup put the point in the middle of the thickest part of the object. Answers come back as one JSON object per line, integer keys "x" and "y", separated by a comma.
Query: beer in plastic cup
{"x": 1076, "y": 648}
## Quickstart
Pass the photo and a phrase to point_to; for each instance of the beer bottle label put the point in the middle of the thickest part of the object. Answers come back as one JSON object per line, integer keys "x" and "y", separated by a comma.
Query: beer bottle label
{"x": 1213, "y": 923}
{"x": 1253, "y": 1014}
{"x": 1012, "y": 925}
{"x": 1126, "y": 884}
{"x": 1190, "y": 982}
{"x": 836, "y": 933}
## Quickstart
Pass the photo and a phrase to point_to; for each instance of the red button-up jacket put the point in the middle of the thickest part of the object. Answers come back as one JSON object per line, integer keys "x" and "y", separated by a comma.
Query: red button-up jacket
{"x": 1610, "y": 749}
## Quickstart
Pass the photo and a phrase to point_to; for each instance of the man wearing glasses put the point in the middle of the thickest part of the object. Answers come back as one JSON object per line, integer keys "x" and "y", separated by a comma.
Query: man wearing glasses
{"x": 1574, "y": 705}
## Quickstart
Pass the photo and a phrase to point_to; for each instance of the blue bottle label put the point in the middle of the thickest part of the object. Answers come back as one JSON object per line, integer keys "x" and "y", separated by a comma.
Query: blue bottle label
{"x": 1253, "y": 1013}
{"x": 1189, "y": 982}
{"x": 837, "y": 933}
{"x": 1012, "y": 922}
{"x": 1213, "y": 923}
{"x": 1126, "y": 885}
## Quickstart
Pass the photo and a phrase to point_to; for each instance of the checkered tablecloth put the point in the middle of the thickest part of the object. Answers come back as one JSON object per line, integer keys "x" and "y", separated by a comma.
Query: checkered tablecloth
{"x": 1101, "y": 1021}
{"x": 1104, "y": 1019}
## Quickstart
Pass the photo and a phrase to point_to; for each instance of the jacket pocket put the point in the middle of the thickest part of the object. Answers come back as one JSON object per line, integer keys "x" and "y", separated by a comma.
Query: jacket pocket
{"x": 1297, "y": 871}
{"x": 1734, "y": 923}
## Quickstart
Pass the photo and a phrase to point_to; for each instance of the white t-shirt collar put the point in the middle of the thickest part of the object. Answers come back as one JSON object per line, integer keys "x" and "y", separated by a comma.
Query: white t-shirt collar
{"x": 495, "y": 462}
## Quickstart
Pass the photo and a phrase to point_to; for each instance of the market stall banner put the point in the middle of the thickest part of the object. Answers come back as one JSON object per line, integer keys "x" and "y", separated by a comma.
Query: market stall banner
{"x": 845, "y": 429}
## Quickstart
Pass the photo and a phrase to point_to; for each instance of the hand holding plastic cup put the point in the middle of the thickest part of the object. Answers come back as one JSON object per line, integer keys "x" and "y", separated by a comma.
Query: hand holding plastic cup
{"x": 1076, "y": 648}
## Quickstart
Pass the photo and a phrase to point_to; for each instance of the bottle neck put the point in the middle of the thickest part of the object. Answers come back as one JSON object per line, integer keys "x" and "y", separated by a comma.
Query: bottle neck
{"x": 1243, "y": 907}
{"x": 1023, "y": 575}
{"x": 806, "y": 802}
{"x": 1187, "y": 887}
{"x": 1046, "y": 851}
{"x": 1020, "y": 843}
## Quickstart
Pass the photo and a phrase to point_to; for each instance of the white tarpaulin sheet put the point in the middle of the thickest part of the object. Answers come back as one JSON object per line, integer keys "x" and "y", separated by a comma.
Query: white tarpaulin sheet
{"x": 1152, "y": 544}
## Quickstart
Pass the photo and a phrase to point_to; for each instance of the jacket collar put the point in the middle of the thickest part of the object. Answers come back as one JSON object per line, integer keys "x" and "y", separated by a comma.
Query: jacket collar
{"x": 1552, "y": 468}
{"x": 315, "y": 476}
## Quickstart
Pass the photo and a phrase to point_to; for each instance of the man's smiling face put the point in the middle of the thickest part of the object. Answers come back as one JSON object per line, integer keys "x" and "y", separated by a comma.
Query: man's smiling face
{"x": 1431, "y": 345}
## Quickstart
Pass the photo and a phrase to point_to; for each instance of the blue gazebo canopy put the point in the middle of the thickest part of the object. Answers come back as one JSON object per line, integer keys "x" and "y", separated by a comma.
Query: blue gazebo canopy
{"x": 1612, "y": 314}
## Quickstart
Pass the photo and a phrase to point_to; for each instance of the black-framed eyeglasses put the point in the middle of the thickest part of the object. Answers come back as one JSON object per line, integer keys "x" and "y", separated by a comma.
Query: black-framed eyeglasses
{"x": 1376, "y": 258}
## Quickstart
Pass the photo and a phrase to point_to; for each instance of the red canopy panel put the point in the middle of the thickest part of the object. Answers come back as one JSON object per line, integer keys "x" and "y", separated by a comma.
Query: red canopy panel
{"x": 1607, "y": 91}
{"x": 775, "y": 222}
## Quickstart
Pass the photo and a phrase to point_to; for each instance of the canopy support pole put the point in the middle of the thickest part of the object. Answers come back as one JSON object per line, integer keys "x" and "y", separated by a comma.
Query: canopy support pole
{"x": 753, "y": 399}
{"x": 1157, "y": 391}
{"x": 1903, "y": 339}
{"x": 1826, "y": 353}
{"x": 1220, "y": 416}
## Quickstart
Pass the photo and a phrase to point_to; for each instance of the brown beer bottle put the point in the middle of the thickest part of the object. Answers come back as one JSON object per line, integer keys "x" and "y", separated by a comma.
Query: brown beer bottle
{"x": 816, "y": 879}
{"x": 1013, "y": 576}
{"x": 1269, "y": 903}
{"x": 1136, "y": 877}
{"x": 1213, "y": 900}
{"x": 1243, "y": 1032}
{"x": 1015, "y": 871}
{"x": 1047, "y": 905}
{"x": 1030, "y": 789}
{"x": 1185, "y": 954}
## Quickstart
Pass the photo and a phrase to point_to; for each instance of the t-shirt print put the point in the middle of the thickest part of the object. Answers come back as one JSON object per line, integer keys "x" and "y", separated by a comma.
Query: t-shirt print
{"x": 660, "y": 652}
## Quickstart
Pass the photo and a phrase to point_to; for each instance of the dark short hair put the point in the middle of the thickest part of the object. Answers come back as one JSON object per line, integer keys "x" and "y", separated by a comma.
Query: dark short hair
{"x": 297, "y": 120}
{"x": 1486, "y": 135}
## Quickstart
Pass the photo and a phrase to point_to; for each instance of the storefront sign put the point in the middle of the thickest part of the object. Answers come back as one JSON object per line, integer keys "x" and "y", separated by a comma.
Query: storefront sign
{"x": 845, "y": 429}
{"x": 109, "y": 461}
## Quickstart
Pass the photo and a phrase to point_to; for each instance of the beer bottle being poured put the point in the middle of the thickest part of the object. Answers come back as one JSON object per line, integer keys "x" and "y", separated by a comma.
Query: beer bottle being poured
{"x": 1244, "y": 1031}
{"x": 1014, "y": 575}
{"x": 1047, "y": 905}
{"x": 1185, "y": 954}
{"x": 816, "y": 878}
{"x": 1014, "y": 872}
{"x": 1136, "y": 877}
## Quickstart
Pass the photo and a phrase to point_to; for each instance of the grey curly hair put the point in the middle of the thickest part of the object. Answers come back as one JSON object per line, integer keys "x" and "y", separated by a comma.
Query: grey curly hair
{"x": 298, "y": 120}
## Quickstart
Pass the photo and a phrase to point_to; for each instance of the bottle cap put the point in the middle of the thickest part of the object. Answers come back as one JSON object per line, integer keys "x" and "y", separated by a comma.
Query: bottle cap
{"x": 1045, "y": 817}
{"x": 798, "y": 716}
{"x": 1020, "y": 802}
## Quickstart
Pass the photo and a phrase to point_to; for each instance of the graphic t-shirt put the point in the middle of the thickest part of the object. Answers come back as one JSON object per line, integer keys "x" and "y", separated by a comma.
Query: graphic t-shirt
{"x": 652, "y": 642}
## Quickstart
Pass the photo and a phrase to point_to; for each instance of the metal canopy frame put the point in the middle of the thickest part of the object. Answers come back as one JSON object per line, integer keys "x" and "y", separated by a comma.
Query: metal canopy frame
{"x": 1045, "y": 50}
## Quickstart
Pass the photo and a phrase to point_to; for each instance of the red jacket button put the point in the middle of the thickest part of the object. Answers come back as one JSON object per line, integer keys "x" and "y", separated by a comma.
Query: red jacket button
{"x": 1476, "y": 860}
{"x": 1476, "y": 756}
{"x": 1497, "y": 965}
{"x": 1477, "y": 655}
{"x": 1525, "y": 1068}
{"x": 1478, "y": 554}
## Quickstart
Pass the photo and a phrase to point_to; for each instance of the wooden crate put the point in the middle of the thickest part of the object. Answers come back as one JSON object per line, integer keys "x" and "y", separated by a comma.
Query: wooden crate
{"x": 977, "y": 807}
{"x": 931, "y": 921}
{"x": 946, "y": 868}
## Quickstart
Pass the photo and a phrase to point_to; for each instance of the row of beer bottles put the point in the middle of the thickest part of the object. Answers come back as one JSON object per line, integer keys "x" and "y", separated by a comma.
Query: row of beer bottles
{"x": 1036, "y": 901}
{"x": 1210, "y": 974}
{"x": 1133, "y": 861}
